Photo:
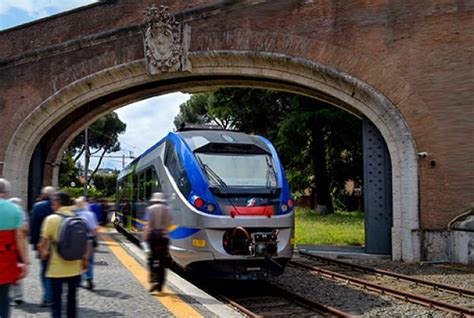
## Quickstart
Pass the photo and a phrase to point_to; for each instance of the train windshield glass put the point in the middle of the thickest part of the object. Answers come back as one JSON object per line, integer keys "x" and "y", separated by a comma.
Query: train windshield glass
{"x": 239, "y": 170}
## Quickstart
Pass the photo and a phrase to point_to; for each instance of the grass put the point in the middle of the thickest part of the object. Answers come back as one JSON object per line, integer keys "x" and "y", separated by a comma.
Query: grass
{"x": 341, "y": 228}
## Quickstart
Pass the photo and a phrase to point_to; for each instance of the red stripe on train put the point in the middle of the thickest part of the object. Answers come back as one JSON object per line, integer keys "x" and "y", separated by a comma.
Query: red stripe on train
{"x": 266, "y": 210}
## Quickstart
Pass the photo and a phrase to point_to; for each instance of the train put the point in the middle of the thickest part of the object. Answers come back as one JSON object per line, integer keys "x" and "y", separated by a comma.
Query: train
{"x": 233, "y": 214}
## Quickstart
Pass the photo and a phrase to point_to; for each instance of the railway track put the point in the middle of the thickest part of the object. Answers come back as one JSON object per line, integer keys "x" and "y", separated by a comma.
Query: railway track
{"x": 259, "y": 298}
{"x": 447, "y": 298}
{"x": 263, "y": 299}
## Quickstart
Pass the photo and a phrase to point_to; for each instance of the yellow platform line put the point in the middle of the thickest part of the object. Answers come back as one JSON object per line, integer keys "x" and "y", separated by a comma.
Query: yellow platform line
{"x": 168, "y": 298}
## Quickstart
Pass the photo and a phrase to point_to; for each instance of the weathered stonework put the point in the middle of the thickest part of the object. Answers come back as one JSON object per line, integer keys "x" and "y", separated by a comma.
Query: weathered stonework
{"x": 166, "y": 42}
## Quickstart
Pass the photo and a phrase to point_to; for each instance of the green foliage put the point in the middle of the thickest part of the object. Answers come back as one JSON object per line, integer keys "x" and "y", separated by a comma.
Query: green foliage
{"x": 193, "y": 111}
{"x": 102, "y": 136}
{"x": 78, "y": 192}
{"x": 340, "y": 228}
{"x": 68, "y": 172}
{"x": 105, "y": 183}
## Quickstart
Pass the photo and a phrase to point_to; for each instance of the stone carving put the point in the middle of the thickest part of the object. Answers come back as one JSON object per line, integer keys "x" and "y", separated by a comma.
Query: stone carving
{"x": 166, "y": 42}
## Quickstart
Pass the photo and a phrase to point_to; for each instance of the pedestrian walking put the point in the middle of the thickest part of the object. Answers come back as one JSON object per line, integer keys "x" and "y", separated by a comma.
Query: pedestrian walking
{"x": 64, "y": 237}
{"x": 91, "y": 220}
{"x": 105, "y": 211}
{"x": 96, "y": 208}
{"x": 39, "y": 212}
{"x": 17, "y": 288}
{"x": 12, "y": 247}
{"x": 158, "y": 215}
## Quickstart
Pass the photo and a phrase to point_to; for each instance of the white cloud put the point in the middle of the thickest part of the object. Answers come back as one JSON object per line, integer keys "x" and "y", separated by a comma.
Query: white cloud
{"x": 41, "y": 8}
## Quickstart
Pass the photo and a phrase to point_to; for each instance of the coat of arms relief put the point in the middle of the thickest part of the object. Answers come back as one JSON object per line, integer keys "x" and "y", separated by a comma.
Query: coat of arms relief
{"x": 166, "y": 42}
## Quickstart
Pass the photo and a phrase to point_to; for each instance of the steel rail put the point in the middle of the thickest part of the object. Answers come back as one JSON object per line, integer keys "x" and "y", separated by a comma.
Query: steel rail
{"x": 245, "y": 310}
{"x": 298, "y": 298}
{"x": 421, "y": 300}
{"x": 434, "y": 285}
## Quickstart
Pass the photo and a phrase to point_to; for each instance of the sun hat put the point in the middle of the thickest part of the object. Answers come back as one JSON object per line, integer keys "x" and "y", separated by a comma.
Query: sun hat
{"x": 158, "y": 197}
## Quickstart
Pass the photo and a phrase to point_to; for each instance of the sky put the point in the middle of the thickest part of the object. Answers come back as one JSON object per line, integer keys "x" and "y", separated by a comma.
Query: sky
{"x": 147, "y": 121}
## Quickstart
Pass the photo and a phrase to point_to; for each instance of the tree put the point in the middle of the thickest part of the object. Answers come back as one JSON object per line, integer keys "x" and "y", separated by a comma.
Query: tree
{"x": 68, "y": 171}
{"x": 193, "y": 111}
{"x": 102, "y": 138}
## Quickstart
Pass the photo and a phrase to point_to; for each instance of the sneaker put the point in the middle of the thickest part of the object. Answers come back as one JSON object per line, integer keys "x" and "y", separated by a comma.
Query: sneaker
{"x": 18, "y": 301}
{"x": 154, "y": 287}
{"x": 90, "y": 284}
{"x": 45, "y": 303}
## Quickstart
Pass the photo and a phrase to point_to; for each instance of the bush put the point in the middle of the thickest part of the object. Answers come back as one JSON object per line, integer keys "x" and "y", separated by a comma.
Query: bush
{"x": 106, "y": 183}
{"x": 78, "y": 192}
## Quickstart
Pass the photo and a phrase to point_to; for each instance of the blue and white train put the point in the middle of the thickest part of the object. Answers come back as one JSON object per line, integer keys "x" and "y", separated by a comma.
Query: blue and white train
{"x": 232, "y": 209}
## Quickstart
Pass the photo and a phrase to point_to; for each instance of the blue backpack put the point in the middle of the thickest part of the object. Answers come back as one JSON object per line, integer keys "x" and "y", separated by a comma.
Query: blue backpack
{"x": 72, "y": 238}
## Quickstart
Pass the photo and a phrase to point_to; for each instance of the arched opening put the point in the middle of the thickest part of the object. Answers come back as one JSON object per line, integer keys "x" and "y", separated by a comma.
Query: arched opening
{"x": 74, "y": 107}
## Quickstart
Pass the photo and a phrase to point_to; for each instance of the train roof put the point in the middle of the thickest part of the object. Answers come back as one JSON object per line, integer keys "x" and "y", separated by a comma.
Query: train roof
{"x": 198, "y": 138}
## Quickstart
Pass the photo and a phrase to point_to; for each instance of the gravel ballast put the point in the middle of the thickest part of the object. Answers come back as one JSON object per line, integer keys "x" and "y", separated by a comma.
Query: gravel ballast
{"x": 358, "y": 301}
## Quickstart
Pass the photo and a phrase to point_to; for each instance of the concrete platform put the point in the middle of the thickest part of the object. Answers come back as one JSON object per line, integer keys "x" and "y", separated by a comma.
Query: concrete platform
{"x": 121, "y": 289}
{"x": 340, "y": 252}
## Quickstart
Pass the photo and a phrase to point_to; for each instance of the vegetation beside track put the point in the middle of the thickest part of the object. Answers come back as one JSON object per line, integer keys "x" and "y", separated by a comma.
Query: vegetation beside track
{"x": 341, "y": 228}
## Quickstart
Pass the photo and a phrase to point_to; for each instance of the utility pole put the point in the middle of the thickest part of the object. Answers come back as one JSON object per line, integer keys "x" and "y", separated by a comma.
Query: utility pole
{"x": 86, "y": 164}
{"x": 123, "y": 161}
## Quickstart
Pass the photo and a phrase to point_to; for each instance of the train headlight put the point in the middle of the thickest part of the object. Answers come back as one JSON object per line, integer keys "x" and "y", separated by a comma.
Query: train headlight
{"x": 291, "y": 203}
{"x": 284, "y": 207}
{"x": 211, "y": 208}
{"x": 198, "y": 202}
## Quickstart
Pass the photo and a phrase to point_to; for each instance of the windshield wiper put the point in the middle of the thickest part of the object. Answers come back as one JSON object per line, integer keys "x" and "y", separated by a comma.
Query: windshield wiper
{"x": 270, "y": 172}
{"x": 211, "y": 173}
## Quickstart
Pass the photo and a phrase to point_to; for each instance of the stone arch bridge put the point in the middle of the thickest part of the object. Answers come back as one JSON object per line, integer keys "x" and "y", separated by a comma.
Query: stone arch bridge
{"x": 404, "y": 66}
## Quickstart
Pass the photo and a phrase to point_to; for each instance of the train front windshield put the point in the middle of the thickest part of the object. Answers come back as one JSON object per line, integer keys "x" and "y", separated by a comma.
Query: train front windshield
{"x": 239, "y": 170}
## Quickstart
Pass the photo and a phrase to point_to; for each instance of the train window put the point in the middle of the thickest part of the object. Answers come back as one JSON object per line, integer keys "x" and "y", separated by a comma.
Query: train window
{"x": 141, "y": 186}
{"x": 177, "y": 170}
{"x": 119, "y": 192}
{"x": 148, "y": 184}
{"x": 152, "y": 183}
{"x": 135, "y": 188}
{"x": 239, "y": 169}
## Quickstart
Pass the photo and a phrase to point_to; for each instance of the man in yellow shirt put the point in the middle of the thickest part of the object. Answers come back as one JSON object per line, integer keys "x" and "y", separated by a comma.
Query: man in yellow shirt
{"x": 59, "y": 270}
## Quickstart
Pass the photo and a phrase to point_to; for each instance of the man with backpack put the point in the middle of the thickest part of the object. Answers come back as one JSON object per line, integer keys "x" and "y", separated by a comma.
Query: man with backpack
{"x": 64, "y": 239}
